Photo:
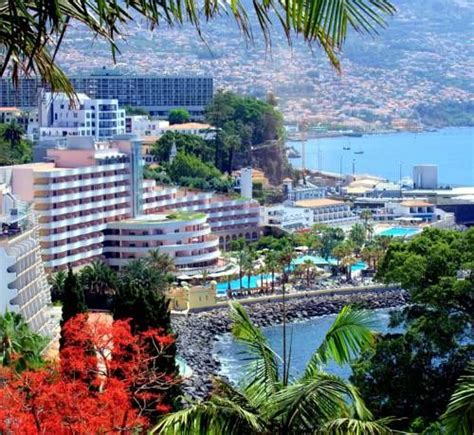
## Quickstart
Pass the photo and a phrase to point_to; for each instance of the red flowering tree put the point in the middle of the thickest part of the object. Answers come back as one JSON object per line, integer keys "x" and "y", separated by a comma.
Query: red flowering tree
{"x": 105, "y": 382}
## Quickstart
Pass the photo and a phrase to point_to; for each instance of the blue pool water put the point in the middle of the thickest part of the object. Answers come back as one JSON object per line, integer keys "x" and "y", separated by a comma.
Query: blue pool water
{"x": 399, "y": 232}
{"x": 222, "y": 287}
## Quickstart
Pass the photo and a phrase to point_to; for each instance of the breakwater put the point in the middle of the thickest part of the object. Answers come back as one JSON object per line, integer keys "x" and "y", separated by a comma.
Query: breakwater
{"x": 197, "y": 332}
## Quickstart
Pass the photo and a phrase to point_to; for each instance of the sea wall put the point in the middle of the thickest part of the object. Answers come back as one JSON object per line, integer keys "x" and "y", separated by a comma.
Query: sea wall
{"x": 197, "y": 331}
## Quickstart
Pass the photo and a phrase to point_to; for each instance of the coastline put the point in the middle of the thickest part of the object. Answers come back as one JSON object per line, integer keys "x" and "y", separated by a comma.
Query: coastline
{"x": 197, "y": 332}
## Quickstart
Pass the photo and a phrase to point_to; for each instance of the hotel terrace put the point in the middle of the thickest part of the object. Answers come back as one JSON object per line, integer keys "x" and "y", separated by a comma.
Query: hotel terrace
{"x": 92, "y": 202}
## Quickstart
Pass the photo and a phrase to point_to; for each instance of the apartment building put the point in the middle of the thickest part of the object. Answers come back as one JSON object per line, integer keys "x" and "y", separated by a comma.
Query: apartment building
{"x": 229, "y": 218}
{"x": 98, "y": 118}
{"x": 92, "y": 203}
{"x": 328, "y": 211}
{"x": 23, "y": 285}
{"x": 155, "y": 94}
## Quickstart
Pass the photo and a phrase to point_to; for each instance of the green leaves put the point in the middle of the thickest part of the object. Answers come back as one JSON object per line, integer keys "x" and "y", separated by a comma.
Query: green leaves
{"x": 459, "y": 417}
{"x": 350, "y": 333}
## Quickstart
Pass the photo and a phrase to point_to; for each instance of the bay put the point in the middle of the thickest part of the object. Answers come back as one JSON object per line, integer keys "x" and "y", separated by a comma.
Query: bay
{"x": 452, "y": 149}
{"x": 305, "y": 336}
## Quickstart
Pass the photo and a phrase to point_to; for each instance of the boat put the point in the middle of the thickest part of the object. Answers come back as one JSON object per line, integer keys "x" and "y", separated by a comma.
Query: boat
{"x": 346, "y": 148}
{"x": 354, "y": 134}
{"x": 359, "y": 152}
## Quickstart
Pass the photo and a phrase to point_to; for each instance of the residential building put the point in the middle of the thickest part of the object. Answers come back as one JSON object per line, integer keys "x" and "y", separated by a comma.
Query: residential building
{"x": 287, "y": 218}
{"x": 155, "y": 94}
{"x": 328, "y": 211}
{"x": 23, "y": 285}
{"x": 412, "y": 211}
{"x": 97, "y": 118}
{"x": 301, "y": 191}
{"x": 93, "y": 203}
{"x": 9, "y": 114}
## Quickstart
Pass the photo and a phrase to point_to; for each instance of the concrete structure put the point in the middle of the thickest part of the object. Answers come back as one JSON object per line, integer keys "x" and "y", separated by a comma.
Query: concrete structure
{"x": 9, "y": 114}
{"x": 143, "y": 125}
{"x": 185, "y": 237}
{"x": 155, "y": 94}
{"x": 411, "y": 211}
{"x": 87, "y": 188}
{"x": 97, "y": 118}
{"x": 287, "y": 218}
{"x": 328, "y": 211}
{"x": 302, "y": 191}
{"x": 23, "y": 285}
{"x": 425, "y": 176}
{"x": 187, "y": 297}
{"x": 246, "y": 183}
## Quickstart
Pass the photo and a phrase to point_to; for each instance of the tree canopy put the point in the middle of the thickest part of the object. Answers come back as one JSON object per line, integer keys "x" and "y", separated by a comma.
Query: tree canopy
{"x": 178, "y": 116}
{"x": 412, "y": 375}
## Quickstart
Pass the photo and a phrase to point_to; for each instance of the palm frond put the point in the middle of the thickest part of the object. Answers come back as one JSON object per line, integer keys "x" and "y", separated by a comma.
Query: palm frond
{"x": 216, "y": 416}
{"x": 31, "y": 29}
{"x": 262, "y": 371}
{"x": 353, "y": 426}
{"x": 310, "y": 402}
{"x": 459, "y": 417}
{"x": 351, "y": 331}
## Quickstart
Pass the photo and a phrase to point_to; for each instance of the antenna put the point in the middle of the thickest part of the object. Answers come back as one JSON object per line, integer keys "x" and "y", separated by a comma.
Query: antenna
{"x": 303, "y": 157}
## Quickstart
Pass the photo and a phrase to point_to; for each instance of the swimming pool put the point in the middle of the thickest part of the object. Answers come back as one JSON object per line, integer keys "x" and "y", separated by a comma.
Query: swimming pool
{"x": 399, "y": 232}
{"x": 222, "y": 287}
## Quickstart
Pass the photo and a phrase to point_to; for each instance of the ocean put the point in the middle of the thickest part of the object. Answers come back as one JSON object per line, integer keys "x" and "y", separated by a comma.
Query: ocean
{"x": 306, "y": 336}
{"x": 452, "y": 149}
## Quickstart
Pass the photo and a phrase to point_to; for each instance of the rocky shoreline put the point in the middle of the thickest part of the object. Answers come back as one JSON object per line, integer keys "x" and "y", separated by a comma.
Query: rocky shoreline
{"x": 197, "y": 332}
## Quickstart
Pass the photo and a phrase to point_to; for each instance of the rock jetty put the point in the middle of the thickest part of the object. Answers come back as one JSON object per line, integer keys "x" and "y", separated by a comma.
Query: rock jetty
{"x": 198, "y": 331}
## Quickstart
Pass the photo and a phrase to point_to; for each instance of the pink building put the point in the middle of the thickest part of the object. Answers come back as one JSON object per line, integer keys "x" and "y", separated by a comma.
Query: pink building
{"x": 92, "y": 202}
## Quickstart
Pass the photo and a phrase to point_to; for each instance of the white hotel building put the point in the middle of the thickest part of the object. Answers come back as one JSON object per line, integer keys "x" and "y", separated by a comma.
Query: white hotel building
{"x": 93, "y": 203}
{"x": 23, "y": 285}
{"x": 97, "y": 118}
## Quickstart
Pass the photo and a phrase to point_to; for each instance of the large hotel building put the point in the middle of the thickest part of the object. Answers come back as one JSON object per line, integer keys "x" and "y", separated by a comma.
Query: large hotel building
{"x": 92, "y": 202}
{"x": 156, "y": 94}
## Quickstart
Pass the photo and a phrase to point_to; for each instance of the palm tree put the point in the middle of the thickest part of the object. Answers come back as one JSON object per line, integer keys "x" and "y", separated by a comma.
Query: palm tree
{"x": 13, "y": 132}
{"x": 271, "y": 263}
{"x": 57, "y": 282}
{"x": 248, "y": 264}
{"x": 31, "y": 35}
{"x": 344, "y": 254}
{"x": 267, "y": 403}
{"x": 239, "y": 246}
{"x": 308, "y": 267}
{"x": 98, "y": 278}
{"x": 20, "y": 347}
{"x": 161, "y": 261}
{"x": 459, "y": 417}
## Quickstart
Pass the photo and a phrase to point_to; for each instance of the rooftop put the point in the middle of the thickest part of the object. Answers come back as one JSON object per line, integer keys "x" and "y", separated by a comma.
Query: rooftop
{"x": 318, "y": 202}
{"x": 416, "y": 203}
{"x": 188, "y": 126}
{"x": 153, "y": 219}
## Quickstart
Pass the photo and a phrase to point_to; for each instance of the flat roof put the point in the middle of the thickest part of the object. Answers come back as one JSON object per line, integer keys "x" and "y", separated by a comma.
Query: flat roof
{"x": 162, "y": 218}
{"x": 416, "y": 203}
{"x": 318, "y": 202}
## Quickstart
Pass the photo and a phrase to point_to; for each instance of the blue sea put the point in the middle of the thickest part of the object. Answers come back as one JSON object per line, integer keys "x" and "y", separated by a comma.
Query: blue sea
{"x": 452, "y": 149}
{"x": 305, "y": 336}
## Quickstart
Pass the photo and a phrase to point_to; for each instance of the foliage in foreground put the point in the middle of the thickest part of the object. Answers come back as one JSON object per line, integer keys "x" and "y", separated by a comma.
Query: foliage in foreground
{"x": 105, "y": 382}
{"x": 269, "y": 402}
{"x": 412, "y": 375}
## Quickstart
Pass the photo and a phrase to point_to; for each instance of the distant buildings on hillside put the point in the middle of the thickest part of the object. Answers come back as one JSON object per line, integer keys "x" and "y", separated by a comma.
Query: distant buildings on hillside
{"x": 155, "y": 94}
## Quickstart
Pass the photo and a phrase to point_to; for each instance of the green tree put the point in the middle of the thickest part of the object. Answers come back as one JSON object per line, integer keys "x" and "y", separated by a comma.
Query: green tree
{"x": 330, "y": 238}
{"x": 57, "y": 282}
{"x": 98, "y": 278}
{"x": 73, "y": 300}
{"x": 459, "y": 417}
{"x": 344, "y": 253}
{"x": 187, "y": 143}
{"x": 358, "y": 235}
{"x": 20, "y": 347}
{"x": 239, "y": 246}
{"x": 161, "y": 261}
{"x": 271, "y": 261}
{"x": 178, "y": 116}
{"x": 423, "y": 364}
{"x": 141, "y": 297}
{"x": 267, "y": 403}
{"x": 13, "y": 148}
